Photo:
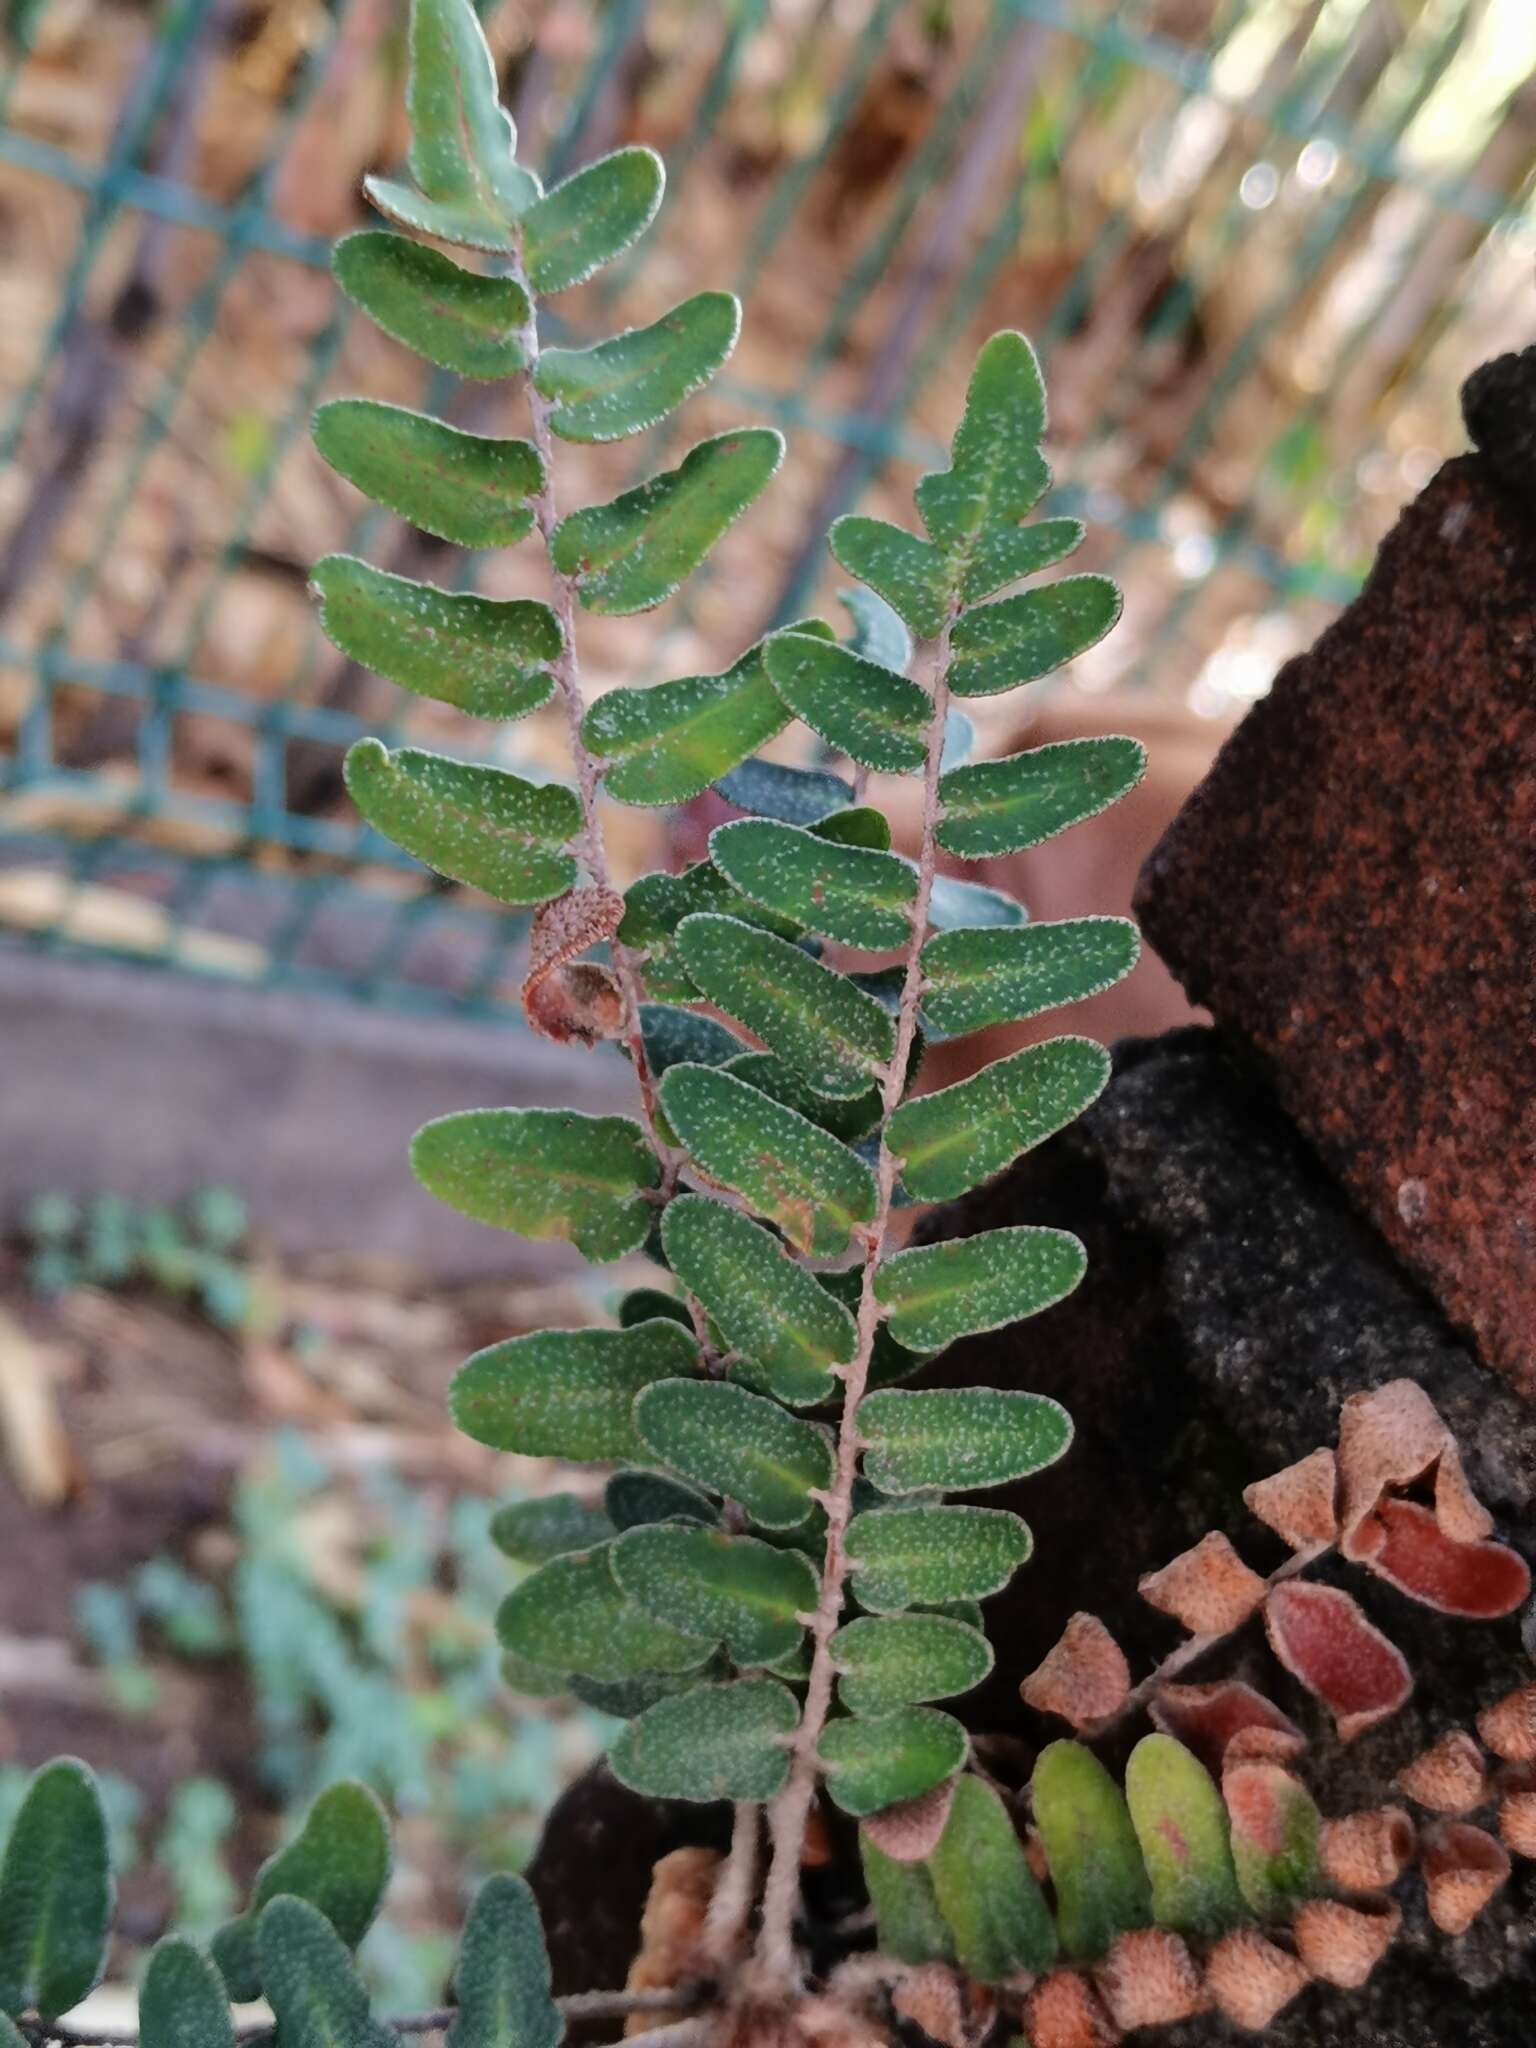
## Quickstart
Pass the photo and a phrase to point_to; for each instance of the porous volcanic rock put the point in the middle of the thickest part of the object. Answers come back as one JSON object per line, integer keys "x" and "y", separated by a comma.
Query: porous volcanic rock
{"x": 1352, "y": 889}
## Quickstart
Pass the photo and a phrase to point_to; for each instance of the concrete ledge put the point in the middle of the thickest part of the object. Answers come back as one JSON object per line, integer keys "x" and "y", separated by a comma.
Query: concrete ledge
{"x": 150, "y": 1085}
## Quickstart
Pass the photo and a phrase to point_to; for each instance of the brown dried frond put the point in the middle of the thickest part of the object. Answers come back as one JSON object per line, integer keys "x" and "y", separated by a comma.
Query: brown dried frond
{"x": 564, "y": 997}
{"x": 1457, "y": 1508}
{"x": 951, "y": 2009}
{"x": 1062, "y": 2012}
{"x": 1341, "y": 1940}
{"x": 1387, "y": 1437}
{"x": 1208, "y": 1589}
{"x": 1227, "y": 1721}
{"x": 1463, "y": 1867}
{"x": 1365, "y": 1852}
{"x": 1150, "y": 1979}
{"x": 1509, "y": 1726}
{"x": 1323, "y": 1637}
{"x": 909, "y": 1832}
{"x": 1300, "y": 1502}
{"x": 672, "y": 1927}
{"x": 1449, "y": 1777}
{"x": 1251, "y": 1978}
{"x": 1517, "y": 1810}
{"x": 1085, "y": 1678}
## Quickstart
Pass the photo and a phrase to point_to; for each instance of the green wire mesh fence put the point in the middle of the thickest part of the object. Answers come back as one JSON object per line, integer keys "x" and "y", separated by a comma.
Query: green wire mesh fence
{"x": 1259, "y": 243}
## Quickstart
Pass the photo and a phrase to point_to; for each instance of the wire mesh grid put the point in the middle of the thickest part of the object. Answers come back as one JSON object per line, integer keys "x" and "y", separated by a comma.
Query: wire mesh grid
{"x": 1258, "y": 242}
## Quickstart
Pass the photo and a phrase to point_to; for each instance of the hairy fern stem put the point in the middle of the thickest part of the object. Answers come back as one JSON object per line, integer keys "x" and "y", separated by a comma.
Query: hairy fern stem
{"x": 777, "y": 1970}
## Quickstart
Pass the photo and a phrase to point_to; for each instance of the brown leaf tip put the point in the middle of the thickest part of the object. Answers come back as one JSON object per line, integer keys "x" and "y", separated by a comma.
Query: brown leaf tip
{"x": 1366, "y": 1852}
{"x": 1517, "y": 1810}
{"x": 1251, "y": 1978}
{"x": 1149, "y": 1979}
{"x": 1390, "y": 1438}
{"x": 1062, "y": 2012}
{"x": 1084, "y": 1678}
{"x": 1449, "y": 1777}
{"x": 1299, "y": 1503}
{"x": 1509, "y": 1726}
{"x": 571, "y": 1000}
{"x": 1341, "y": 1940}
{"x": 1463, "y": 1867}
{"x": 1208, "y": 1589}
{"x": 909, "y": 1831}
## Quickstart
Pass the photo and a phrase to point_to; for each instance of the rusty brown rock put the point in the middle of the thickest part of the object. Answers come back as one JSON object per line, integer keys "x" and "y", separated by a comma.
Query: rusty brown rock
{"x": 1350, "y": 890}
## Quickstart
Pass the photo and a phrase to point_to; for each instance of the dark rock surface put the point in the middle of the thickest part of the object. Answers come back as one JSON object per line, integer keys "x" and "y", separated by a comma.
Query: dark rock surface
{"x": 1352, "y": 889}
{"x": 1233, "y": 1300}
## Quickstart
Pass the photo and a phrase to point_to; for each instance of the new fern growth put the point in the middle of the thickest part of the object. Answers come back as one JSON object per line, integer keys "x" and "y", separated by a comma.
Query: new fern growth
{"x": 774, "y": 1592}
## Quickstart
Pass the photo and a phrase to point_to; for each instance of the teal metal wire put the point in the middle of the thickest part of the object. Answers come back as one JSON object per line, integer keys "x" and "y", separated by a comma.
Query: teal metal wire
{"x": 319, "y": 903}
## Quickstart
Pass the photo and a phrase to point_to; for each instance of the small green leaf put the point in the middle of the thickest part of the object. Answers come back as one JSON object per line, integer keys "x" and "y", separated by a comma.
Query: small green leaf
{"x": 737, "y": 1444}
{"x": 937, "y": 1293}
{"x": 1006, "y": 554}
{"x": 875, "y": 1763}
{"x": 182, "y": 2000}
{"x": 55, "y": 1893}
{"x": 463, "y": 487}
{"x": 501, "y": 1980}
{"x": 911, "y": 1927}
{"x": 960, "y": 906}
{"x": 469, "y": 324}
{"x": 959, "y": 1438}
{"x": 714, "y": 1584}
{"x": 644, "y": 1304}
{"x": 892, "y": 1662}
{"x": 878, "y": 633}
{"x": 864, "y": 711}
{"x": 1096, "y": 1867}
{"x": 338, "y": 1864}
{"x": 997, "y": 646}
{"x": 845, "y": 892}
{"x": 629, "y": 555}
{"x": 986, "y": 1891}
{"x": 997, "y": 473}
{"x": 461, "y": 139}
{"x": 910, "y": 574}
{"x": 669, "y": 741}
{"x": 838, "y": 1037}
{"x": 770, "y": 1309}
{"x": 637, "y": 1500}
{"x": 625, "y": 385}
{"x": 573, "y": 1615}
{"x": 1275, "y": 1827}
{"x": 715, "y": 1742}
{"x": 656, "y": 905}
{"x": 567, "y": 1393}
{"x": 793, "y": 1174}
{"x": 1181, "y": 1825}
{"x": 591, "y": 217}
{"x": 860, "y": 825}
{"x": 846, "y": 1120}
{"x": 488, "y": 656}
{"x": 1004, "y": 806}
{"x": 534, "y": 1531}
{"x": 981, "y": 977}
{"x": 470, "y": 821}
{"x": 795, "y": 796}
{"x": 910, "y": 1557}
{"x": 675, "y": 1037}
{"x": 308, "y": 1980}
{"x": 545, "y": 1173}
{"x": 950, "y": 1140}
